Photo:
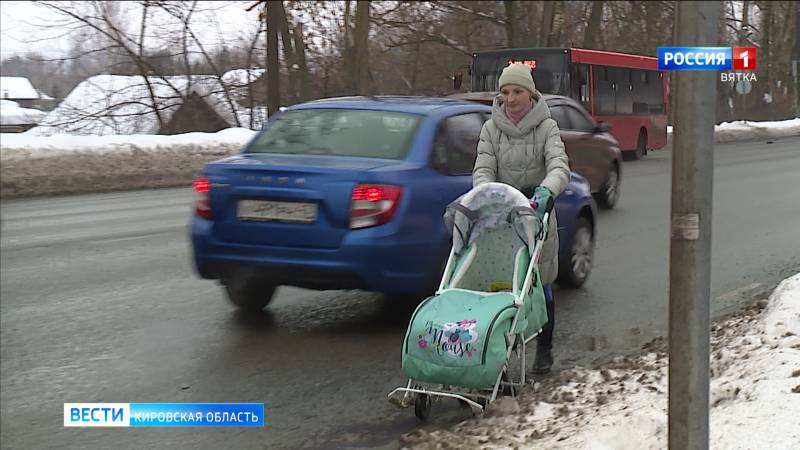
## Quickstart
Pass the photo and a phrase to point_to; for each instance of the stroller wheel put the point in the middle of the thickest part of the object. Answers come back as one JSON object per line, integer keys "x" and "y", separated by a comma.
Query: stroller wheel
{"x": 422, "y": 406}
{"x": 506, "y": 389}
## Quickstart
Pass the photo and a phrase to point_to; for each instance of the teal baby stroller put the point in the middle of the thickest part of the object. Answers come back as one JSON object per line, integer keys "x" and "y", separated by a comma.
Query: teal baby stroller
{"x": 489, "y": 304}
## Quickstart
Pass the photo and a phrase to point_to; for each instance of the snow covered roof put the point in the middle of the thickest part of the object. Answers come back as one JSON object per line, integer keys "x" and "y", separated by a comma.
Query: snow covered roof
{"x": 12, "y": 114}
{"x": 116, "y": 104}
{"x": 241, "y": 77}
{"x": 17, "y": 88}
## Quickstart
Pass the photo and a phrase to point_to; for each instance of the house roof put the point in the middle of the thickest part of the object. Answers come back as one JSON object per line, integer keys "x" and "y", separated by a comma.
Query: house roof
{"x": 17, "y": 88}
{"x": 241, "y": 77}
{"x": 116, "y": 104}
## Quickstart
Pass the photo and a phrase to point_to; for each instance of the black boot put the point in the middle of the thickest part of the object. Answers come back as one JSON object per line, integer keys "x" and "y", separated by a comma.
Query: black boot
{"x": 544, "y": 343}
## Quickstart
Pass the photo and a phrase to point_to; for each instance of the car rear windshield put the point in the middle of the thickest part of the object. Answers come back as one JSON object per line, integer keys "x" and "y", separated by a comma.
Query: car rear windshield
{"x": 343, "y": 132}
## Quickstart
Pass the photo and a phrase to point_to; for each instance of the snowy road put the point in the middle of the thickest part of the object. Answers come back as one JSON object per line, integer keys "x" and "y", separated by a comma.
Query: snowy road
{"x": 99, "y": 303}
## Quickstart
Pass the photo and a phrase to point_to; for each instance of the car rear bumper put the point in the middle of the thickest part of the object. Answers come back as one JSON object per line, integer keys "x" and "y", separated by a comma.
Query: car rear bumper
{"x": 392, "y": 265}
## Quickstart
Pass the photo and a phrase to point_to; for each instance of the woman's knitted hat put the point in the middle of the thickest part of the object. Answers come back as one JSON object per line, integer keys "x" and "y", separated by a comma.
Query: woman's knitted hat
{"x": 518, "y": 74}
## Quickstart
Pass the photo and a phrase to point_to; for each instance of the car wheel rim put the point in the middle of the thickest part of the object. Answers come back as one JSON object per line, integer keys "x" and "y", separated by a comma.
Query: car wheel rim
{"x": 582, "y": 253}
{"x": 611, "y": 186}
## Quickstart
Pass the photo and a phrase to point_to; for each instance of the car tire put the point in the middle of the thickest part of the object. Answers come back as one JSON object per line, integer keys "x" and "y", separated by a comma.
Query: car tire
{"x": 249, "y": 293}
{"x": 608, "y": 195}
{"x": 577, "y": 269}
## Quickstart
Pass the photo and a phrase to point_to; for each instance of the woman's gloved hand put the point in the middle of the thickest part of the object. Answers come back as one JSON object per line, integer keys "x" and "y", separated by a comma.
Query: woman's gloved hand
{"x": 541, "y": 197}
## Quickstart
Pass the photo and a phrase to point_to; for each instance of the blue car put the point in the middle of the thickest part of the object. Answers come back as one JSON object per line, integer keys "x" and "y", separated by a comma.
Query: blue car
{"x": 349, "y": 193}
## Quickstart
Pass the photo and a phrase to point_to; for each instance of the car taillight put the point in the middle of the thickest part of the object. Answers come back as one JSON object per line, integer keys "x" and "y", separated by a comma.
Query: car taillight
{"x": 373, "y": 204}
{"x": 202, "y": 204}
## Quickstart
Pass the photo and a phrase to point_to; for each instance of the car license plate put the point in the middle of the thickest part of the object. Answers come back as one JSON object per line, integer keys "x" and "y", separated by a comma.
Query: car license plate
{"x": 266, "y": 210}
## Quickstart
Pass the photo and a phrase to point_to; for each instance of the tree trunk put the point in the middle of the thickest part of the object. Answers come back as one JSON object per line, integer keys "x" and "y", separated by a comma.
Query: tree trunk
{"x": 348, "y": 46}
{"x": 547, "y": 23}
{"x": 144, "y": 72}
{"x": 272, "y": 74}
{"x": 289, "y": 57}
{"x": 556, "y": 24}
{"x": 511, "y": 23}
{"x": 302, "y": 69}
{"x": 740, "y": 102}
{"x": 766, "y": 57}
{"x": 361, "y": 47}
{"x": 590, "y": 35}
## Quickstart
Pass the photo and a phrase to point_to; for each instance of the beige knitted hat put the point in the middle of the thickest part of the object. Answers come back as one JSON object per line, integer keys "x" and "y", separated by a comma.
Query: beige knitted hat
{"x": 518, "y": 74}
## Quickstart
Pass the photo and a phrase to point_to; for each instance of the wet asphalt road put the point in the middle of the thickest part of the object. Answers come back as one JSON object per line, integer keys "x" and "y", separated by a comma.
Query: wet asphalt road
{"x": 99, "y": 304}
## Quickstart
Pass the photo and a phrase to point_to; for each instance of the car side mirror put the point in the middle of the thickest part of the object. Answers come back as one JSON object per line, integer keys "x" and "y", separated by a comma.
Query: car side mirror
{"x": 602, "y": 127}
{"x": 458, "y": 78}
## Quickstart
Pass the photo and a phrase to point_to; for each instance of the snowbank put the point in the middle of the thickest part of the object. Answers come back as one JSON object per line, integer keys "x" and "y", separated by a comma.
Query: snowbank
{"x": 29, "y": 146}
{"x": 755, "y": 394}
{"x": 13, "y": 114}
{"x": 61, "y": 164}
{"x": 43, "y": 165}
{"x": 744, "y": 130}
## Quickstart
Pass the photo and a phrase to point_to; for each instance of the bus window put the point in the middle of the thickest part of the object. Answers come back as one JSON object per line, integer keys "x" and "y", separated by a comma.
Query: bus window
{"x": 580, "y": 84}
{"x": 639, "y": 92}
{"x": 622, "y": 90}
{"x": 549, "y": 75}
{"x": 604, "y": 98}
{"x": 655, "y": 95}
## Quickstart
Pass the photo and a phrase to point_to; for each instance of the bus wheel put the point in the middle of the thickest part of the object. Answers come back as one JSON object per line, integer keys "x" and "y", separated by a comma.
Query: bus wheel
{"x": 641, "y": 145}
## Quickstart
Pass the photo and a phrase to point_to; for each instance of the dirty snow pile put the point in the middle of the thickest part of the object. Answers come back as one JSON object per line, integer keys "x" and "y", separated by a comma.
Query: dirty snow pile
{"x": 755, "y": 394}
{"x": 60, "y": 164}
{"x": 30, "y": 146}
{"x": 745, "y": 129}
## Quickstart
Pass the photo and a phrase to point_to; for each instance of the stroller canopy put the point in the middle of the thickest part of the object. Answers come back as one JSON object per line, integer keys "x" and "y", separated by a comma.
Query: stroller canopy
{"x": 490, "y": 206}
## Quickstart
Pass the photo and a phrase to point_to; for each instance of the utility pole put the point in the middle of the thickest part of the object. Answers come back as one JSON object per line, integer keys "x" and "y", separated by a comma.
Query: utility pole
{"x": 690, "y": 242}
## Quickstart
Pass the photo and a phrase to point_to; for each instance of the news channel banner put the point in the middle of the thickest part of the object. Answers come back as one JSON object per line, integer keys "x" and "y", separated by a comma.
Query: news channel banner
{"x": 163, "y": 414}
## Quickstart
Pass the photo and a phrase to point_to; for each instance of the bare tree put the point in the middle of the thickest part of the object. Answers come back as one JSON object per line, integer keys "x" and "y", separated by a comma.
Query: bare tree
{"x": 511, "y": 23}
{"x": 362, "y": 47}
{"x": 592, "y": 34}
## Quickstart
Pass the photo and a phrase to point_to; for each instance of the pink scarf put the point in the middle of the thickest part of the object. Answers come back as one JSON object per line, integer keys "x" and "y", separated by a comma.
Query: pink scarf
{"x": 517, "y": 117}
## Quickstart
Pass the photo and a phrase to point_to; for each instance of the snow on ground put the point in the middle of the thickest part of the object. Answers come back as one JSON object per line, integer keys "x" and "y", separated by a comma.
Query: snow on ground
{"x": 44, "y": 165}
{"x": 30, "y": 146}
{"x": 61, "y": 164}
{"x": 744, "y": 129}
{"x": 755, "y": 394}
{"x": 13, "y": 114}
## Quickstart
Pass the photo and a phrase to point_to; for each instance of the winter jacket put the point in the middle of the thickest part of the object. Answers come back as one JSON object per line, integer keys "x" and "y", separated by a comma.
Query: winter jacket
{"x": 528, "y": 154}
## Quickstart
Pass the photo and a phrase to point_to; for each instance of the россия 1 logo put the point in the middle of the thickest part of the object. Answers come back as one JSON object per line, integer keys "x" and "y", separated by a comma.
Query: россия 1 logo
{"x": 742, "y": 60}
{"x": 694, "y": 58}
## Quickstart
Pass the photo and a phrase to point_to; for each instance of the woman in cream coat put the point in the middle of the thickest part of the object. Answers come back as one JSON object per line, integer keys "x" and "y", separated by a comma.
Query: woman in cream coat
{"x": 521, "y": 146}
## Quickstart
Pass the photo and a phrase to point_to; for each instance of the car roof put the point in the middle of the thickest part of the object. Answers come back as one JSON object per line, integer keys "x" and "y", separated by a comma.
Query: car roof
{"x": 483, "y": 96}
{"x": 397, "y": 103}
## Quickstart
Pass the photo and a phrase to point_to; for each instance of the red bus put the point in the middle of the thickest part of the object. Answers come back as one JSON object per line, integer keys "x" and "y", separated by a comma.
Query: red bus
{"x": 627, "y": 91}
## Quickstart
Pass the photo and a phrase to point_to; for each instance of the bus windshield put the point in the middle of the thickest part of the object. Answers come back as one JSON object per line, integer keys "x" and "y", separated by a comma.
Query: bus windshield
{"x": 549, "y": 68}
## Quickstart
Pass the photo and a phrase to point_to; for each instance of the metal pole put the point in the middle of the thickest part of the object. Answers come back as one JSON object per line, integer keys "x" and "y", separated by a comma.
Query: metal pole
{"x": 690, "y": 244}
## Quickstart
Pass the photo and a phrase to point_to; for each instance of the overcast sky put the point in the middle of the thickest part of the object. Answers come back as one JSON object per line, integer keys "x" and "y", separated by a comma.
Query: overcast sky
{"x": 27, "y": 27}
